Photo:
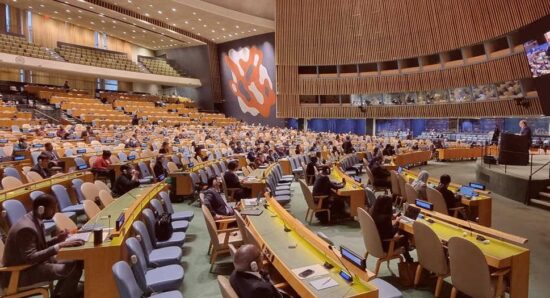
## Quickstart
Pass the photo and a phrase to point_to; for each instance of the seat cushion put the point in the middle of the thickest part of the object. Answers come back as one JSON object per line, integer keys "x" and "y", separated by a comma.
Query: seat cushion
{"x": 171, "y": 294}
{"x": 183, "y": 215}
{"x": 285, "y": 181}
{"x": 165, "y": 256}
{"x": 281, "y": 193}
{"x": 385, "y": 290}
{"x": 283, "y": 200}
{"x": 288, "y": 177}
{"x": 180, "y": 225}
{"x": 177, "y": 239}
{"x": 78, "y": 208}
{"x": 165, "y": 278}
{"x": 283, "y": 187}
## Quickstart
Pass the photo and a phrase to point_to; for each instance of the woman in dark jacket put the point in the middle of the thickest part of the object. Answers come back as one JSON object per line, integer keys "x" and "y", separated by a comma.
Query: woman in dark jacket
{"x": 388, "y": 226}
{"x": 159, "y": 167}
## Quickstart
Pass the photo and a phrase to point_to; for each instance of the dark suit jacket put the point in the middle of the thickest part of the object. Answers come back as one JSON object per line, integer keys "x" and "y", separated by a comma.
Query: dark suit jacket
{"x": 215, "y": 203}
{"x": 124, "y": 184}
{"x": 526, "y": 131}
{"x": 448, "y": 195}
{"x": 44, "y": 173}
{"x": 248, "y": 285}
{"x": 231, "y": 180}
{"x": 348, "y": 147}
{"x": 323, "y": 186}
{"x": 26, "y": 245}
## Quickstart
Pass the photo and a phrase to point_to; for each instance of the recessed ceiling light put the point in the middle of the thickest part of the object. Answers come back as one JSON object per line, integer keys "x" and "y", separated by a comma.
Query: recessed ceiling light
{"x": 68, "y": 11}
{"x": 213, "y": 31}
{"x": 186, "y": 22}
{"x": 223, "y": 29}
{"x": 237, "y": 26}
{"x": 194, "y": 13}
{"x": 173, "y": 9}
{"x": 159, "y": 12}
{"x": 92, "y": 23}
{"x": 41, "y": 5}
{"x": 254, "y": 29}
{"x": 146, "y": 14}
{"x": 55, "y": 11}
{"x": 204, "y": 25}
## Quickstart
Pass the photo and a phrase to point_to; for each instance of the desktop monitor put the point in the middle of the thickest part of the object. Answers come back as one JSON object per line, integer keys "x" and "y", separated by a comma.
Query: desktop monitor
{"x": 18, "y": 157}
{"x": 467, "y": 191}
{"x": 37, "y": 145}
{"x": 3, "y": 141}
{"x": 80, "y": 151}
{"x": 424, "y": 205}
{"x": 412, "y": 212}
{"x": 477, "y": 185}
{"x": 161, "y": 177}
{"x": 353, "y": 257}
{"x": 131, "y": 157}
{"x": 51, "y": 135}
{"x": 82, "y": 167}
{"x": 399, "y": 170}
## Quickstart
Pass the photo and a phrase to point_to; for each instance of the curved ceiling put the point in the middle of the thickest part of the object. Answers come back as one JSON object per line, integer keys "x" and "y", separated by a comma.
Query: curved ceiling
{"x": 259, "y": 8}
{"x": 204, "y": 21}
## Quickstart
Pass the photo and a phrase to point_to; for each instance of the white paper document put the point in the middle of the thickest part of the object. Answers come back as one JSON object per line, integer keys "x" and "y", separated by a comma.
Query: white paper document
{"x": 323, "y": 283}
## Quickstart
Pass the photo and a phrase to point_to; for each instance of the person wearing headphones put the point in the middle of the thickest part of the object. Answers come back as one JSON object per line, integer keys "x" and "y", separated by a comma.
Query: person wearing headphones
{"x": 26, "y": 245}
{"x": 248, "y": 279}
{"x": 127, "y": 181}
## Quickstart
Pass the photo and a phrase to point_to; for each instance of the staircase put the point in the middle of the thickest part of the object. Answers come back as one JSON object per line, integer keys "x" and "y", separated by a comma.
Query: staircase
{"x": 543, "y": 199}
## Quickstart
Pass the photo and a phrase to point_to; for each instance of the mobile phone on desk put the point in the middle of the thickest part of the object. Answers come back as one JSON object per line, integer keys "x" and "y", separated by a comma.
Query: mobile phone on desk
{"x": 306, "y": 273}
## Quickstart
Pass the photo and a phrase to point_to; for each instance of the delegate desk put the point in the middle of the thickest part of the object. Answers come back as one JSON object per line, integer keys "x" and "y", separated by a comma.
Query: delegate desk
{"x": 268, "y": 230}
{"x": 480, "y": 206}
{"x": 352, "y": 189}
{"x": 256, "y": 180}
{"x": 412, "y": 158}
{"x": 464, "y": 153}
{"x": 22, "y": 193}
{"x": 499, "y": 254}
{"x": 99, "y": 259}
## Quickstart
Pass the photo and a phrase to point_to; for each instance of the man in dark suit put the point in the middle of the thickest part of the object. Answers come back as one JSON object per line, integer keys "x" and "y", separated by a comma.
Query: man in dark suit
{"x": 127, "y": 181}
{"x": 248, "y": 280}
{"x": 214, "y": 201}
{"x": 323, "y": 186}
{"x": 42, "y": 167}
{"x": 526, "y": 131}
{"x": 27, "y": 245}
{"x": 347, "y": 146}
{"x": 451, "y": 199}
{"x": 232, "y": 181}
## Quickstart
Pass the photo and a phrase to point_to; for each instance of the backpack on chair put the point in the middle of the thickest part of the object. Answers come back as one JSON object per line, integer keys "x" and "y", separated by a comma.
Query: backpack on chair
{"x": 163, "y": 226}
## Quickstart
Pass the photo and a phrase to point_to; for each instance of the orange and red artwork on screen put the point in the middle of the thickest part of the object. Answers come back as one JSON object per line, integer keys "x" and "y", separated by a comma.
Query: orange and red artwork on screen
{"x": 250, "y": 81}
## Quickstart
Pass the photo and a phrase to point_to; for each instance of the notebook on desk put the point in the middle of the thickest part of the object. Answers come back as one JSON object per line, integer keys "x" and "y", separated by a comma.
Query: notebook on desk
{"x": 252, "y": 212}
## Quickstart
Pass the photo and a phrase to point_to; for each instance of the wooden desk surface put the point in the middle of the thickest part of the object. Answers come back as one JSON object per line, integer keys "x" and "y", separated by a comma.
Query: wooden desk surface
{"x": 499, "y": 254}
{"x": 353, "y": 189}
{"x": 483, "y": 202}
{"x": 310, "y": 250}
{"x": 98, "y": 260}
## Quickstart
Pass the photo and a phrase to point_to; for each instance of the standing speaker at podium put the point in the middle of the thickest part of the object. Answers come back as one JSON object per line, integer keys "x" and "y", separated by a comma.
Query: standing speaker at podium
{"x": 514, "y": 149}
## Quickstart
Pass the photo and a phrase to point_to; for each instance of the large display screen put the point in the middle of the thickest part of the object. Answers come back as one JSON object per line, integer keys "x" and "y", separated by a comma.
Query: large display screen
{"x": 539, "y": 56}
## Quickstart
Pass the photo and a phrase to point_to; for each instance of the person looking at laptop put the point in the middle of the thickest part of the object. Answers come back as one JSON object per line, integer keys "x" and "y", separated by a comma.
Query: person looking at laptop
{"x": 451, "y": 199}
{"x": 214, "y": 201}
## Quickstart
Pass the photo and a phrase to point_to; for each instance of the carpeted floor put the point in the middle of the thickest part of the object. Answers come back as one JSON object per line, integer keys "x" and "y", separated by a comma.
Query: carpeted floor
{"x": 508, "y": 216}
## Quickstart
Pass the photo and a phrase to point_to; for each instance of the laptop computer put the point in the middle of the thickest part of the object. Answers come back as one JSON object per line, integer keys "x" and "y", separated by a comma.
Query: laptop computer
{"x": 467, "y": 192}
{"x": 411, "y": 214}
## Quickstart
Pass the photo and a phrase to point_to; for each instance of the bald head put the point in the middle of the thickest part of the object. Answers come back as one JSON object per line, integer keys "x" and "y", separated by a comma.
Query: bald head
{"x": 245, "y": 255}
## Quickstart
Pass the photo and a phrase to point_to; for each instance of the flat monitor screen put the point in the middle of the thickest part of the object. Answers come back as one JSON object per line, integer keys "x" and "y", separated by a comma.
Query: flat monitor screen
{"x": 191, "y": 165}
{"x": 161, "y": 177}
{"x": 399, "y": 170}
{"x": 3, "y": 141}
{"x": 82, "y": 167}
{"x": 143, "y": 145}
{"x": 477, "y": 185}
{"x": 354, "y": 258}
{"x": 412, "y": 212}
{"x": 80, "y": 151}
{"x": 38, "y": 145}
{"x": 51, "y": 135}
{"x": 424, "y": 205}
{"x": 131, "y": 157}
{"x": 467, "y": 191}
{"x": 538, "y": 57}
{"x": 19, "y": 157}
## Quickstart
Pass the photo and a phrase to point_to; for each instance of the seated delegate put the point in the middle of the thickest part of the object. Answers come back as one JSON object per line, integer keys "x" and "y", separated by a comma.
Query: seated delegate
{"x": 214, "y": 201}
{"x": 323, "y": 186}
{"x": 27, "y": 245}
{"x": 127, "y": 181}
{"x": 232, "y": 181}
{"x": 451, "y": 199}
{"x": 42, "y": 167}
{"x": 420, "y": 184}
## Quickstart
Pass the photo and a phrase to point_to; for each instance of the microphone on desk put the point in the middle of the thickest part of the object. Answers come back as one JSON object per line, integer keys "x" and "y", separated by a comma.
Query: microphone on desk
{"x": 325, "y": 238}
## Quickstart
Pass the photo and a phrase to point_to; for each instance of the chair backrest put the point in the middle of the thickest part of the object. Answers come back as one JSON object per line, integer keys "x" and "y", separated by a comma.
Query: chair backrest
{"x": 144, "y": 170}
{"x": 225, "y": 287}
{"x": 171, "y": 167}
{"x": 225, "y": 190}
{"x": 91, "y": 160}
{"x": 371, "y": 196}
{"x": 33, "y": 177}
{"x": 35, "y": 194}
{"x": 436, "y": 198}
{"x": 12, "y": 172}
{"x": 126, "y": 281}
{"x": 138, "y": 262}
{"x": 25, "y": 169}
{"x": 76, "y": 184}
{"x": 241, "y": 224}
{"x": 141, "y": 230}
{"x": 149, "y": 220}
{"x": 34, "y": 156}
{"x": 14, "y": 210}
{"x": 101, "y": 185}
{"x": 371, "y": 238}
{"x": 122, "y": 156}
{"x": 402, "y": 182}
{"x": 63, "y": 222}
{"x": 105, "y": 197}
{"x": 308, "y": 196}
{"x": 79, "y": 161}
{"x": 211, "y": 226}
{"x": 429, "y": 249}
{"x": 62, "y": 196}
{"x": 395, "y": 189}
{"x": 157, "y": 205}
{"x": 90, "y": 208}
{"x": 90, "y": 191}
{"x": 10, "y": 183}
{"x": 410, "y": 194}
{"x": 469, "y": 269}
{"x": 165, "y": 197}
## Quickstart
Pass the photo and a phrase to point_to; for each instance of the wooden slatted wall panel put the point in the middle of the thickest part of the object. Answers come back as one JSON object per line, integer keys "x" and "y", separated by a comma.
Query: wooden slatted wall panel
{"x": 329, "y": 32}
{"x": 494, "y": 108}
{"x": 508, "y": 68}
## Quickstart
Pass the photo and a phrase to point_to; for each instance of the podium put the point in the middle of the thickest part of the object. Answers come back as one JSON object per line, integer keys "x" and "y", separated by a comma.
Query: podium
{"x": 513, "y": 150}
